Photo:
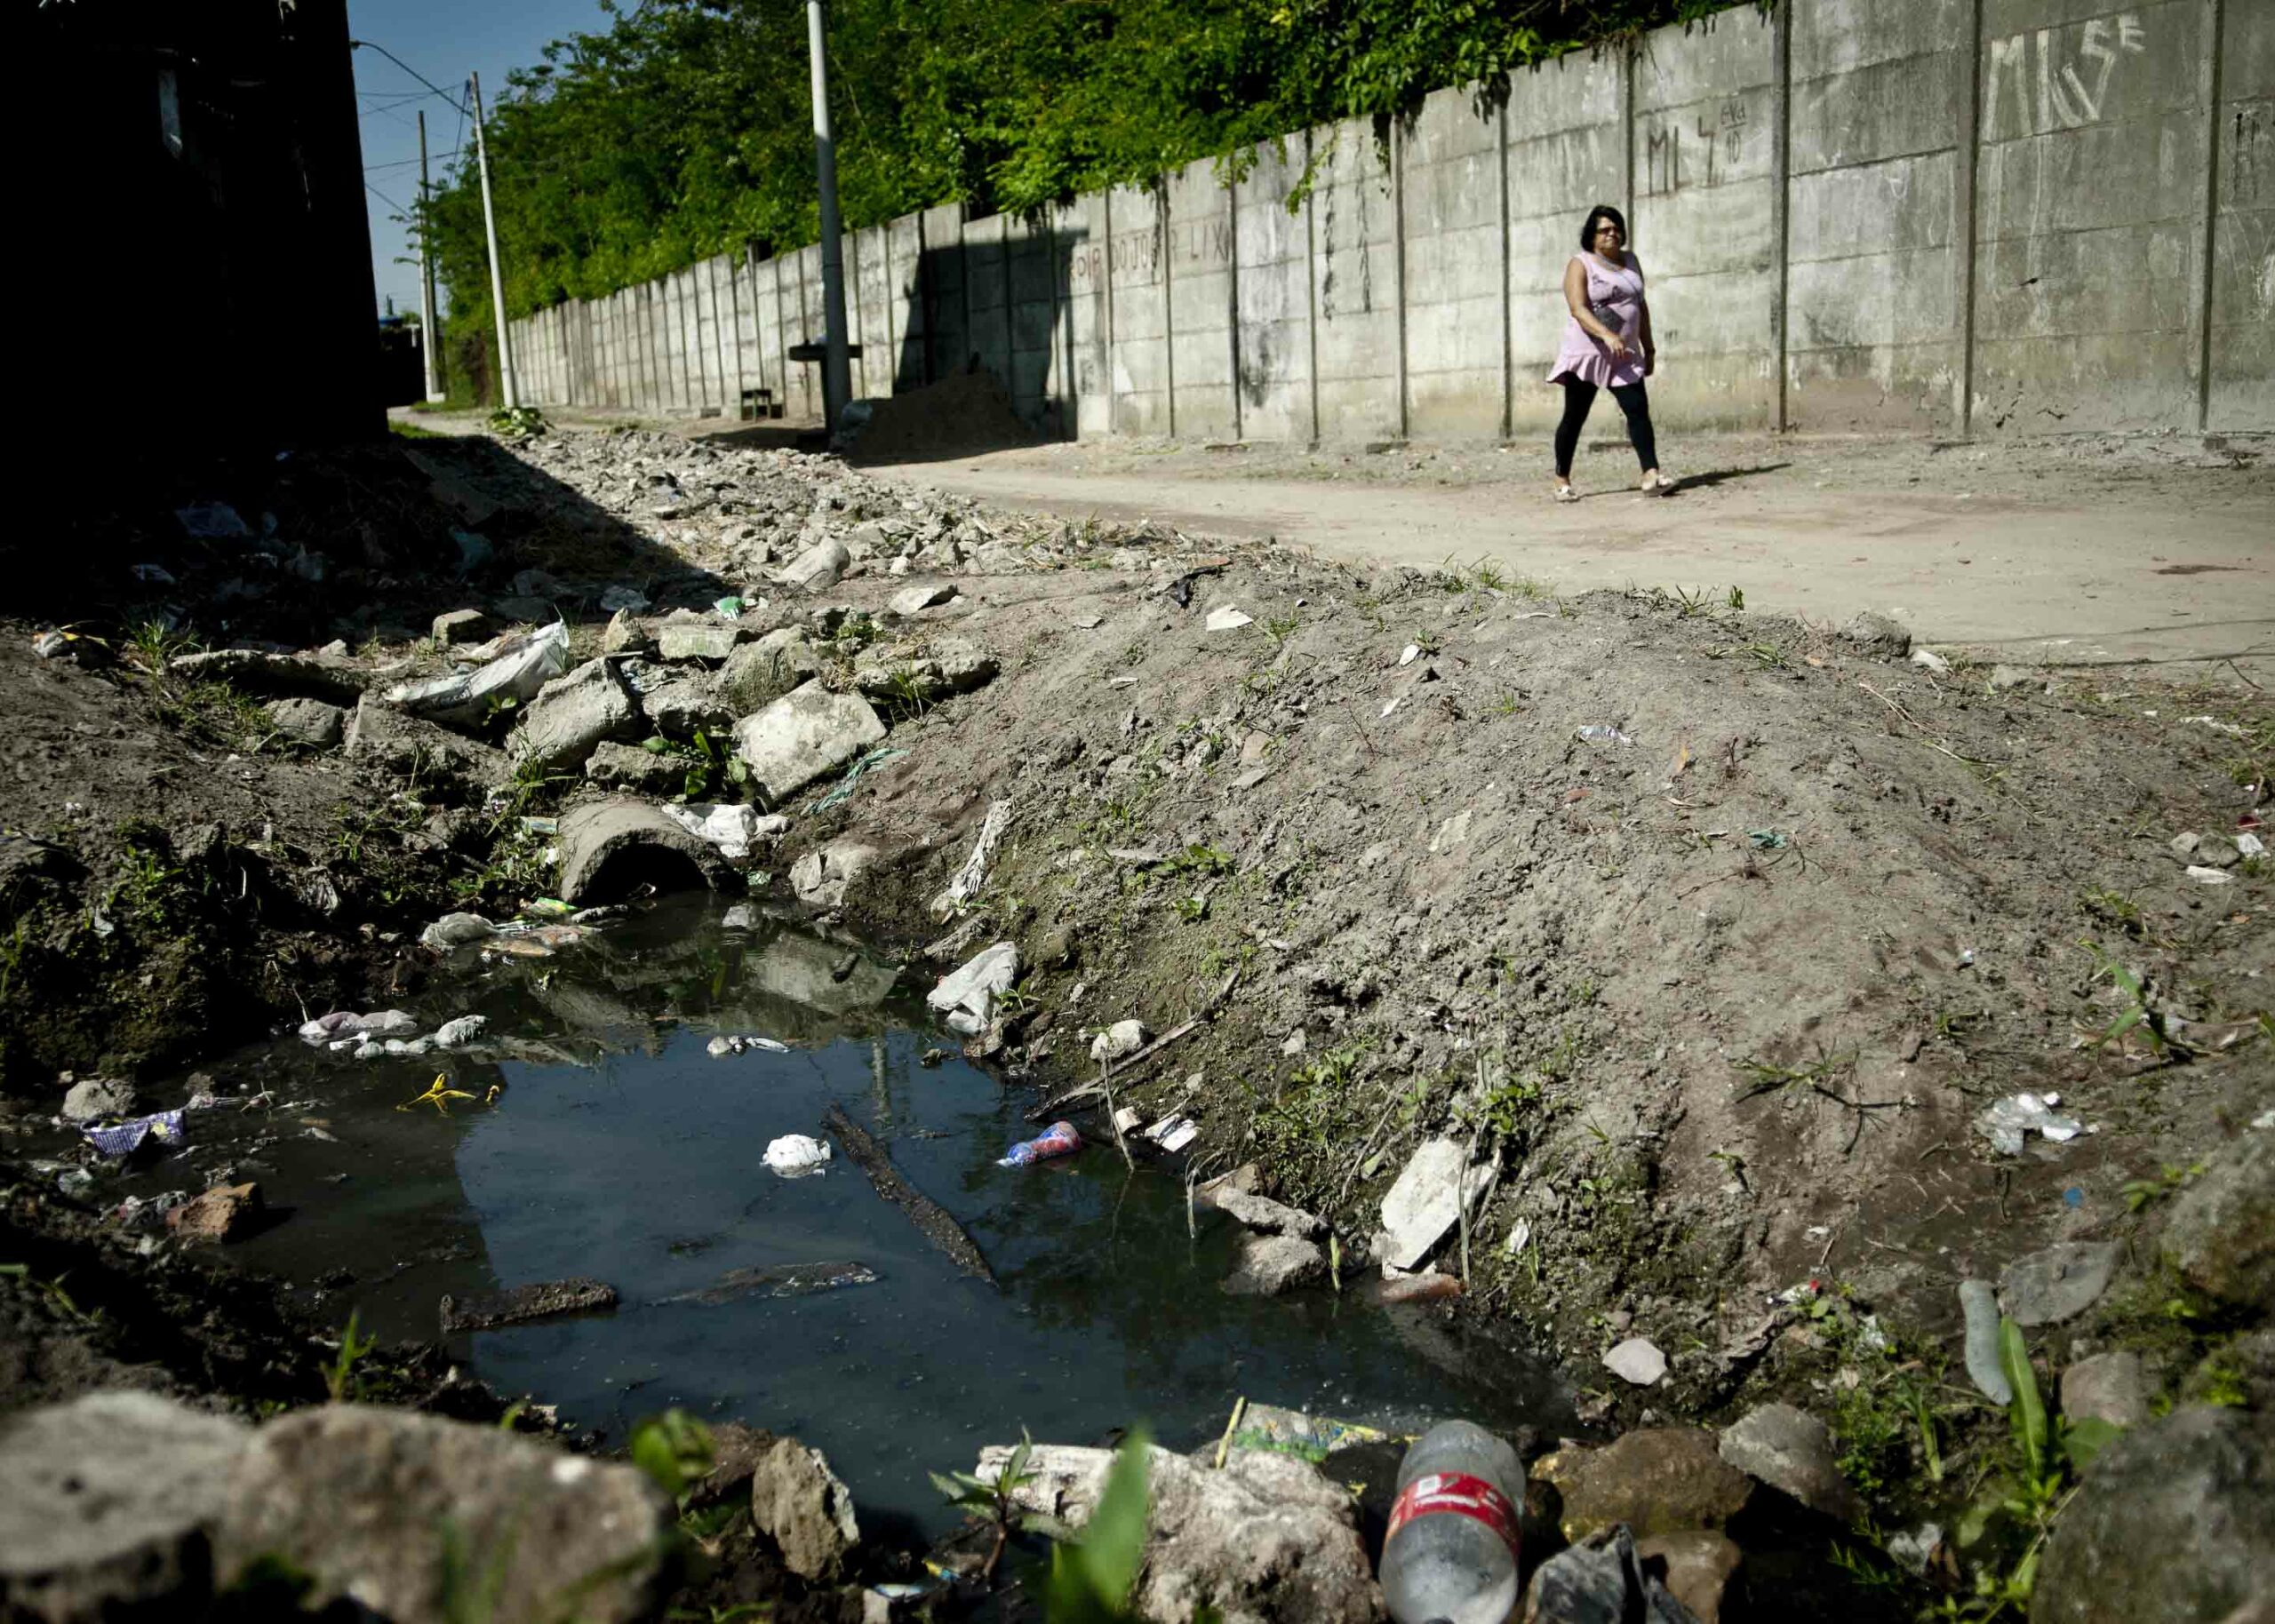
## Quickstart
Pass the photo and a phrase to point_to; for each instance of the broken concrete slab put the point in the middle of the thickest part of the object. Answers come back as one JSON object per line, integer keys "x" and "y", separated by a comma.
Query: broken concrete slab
{"x": 1792, "y": 1450}
{"x": 518, "y": 1305}
{"x": 460, "y": 626}
{"x": 818, "y": 567}
{"x": 405, "y": 744}
{"x": 685, "y": 700}
{"x": 312, "y": 722}
{"x": 758, "y": 672}
{"x": 807, "y": 734}
{"x": 699, "y": 637}
{"x": 570, "y": 716}
{"x": 1426, "y": 1201}
{"x": 381, "y": 1506}
{"x": 1637, "y": 1360}
{"x": 804, "y": 1507}
{"x": 634, "y": 768}
{"x": 820, "y": 877}
{"x": 2110, "y": 1387}
{"x": 2059, "y": 1283}
{"x": 1267, "y": 1539}
{"x": 1261, "y": 1212}
{"x": 609, "y": 847}
{"x": 259, "y": 671}
{"x": 916, "y": 600}
{"x": 107, "y": 1504}
{"x": 1269, "y": 1264}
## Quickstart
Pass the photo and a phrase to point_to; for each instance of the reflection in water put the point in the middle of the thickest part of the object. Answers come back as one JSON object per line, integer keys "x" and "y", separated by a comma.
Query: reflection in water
{"x": 621, "y": 1149}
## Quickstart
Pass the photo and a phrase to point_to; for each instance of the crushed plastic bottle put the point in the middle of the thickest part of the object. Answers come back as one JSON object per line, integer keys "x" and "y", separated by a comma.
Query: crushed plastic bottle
{"x": 1597, "y": 733}
{"x": 1450, "y": 1555}
{"x": 1059, "y": 1139}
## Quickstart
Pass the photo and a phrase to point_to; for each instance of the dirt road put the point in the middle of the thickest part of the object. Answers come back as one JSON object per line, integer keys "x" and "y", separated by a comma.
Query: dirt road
{"x": 2057, "y": 552}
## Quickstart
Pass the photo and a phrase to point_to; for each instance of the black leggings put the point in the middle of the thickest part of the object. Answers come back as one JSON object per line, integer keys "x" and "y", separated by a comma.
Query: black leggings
{"x": 1579, "y": 397}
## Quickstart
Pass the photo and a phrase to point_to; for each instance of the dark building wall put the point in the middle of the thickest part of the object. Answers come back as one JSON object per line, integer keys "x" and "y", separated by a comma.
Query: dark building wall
{"x": 197, "y": 196}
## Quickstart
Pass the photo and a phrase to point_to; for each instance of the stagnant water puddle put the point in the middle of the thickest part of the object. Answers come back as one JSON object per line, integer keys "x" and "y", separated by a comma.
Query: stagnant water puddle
{"x": 616, "y": 1147}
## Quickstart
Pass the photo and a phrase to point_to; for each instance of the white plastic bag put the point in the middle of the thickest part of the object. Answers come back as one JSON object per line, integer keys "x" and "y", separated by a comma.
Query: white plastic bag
{"x": 467, "y": 698}
{"x": 795, "y": 1155}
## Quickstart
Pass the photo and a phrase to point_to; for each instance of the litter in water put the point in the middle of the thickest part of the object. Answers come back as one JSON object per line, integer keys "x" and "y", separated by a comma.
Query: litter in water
{"x": 125, "y": 1138}
{"x": 743, "y": 1043}
{"x": 1059, "y": 1139}
{"x": 795, "y": 1155}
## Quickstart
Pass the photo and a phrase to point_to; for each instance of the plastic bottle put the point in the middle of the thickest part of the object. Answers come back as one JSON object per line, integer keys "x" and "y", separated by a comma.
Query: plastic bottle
{"x": 1059, "y": 1139}
{"x": 1450, "y": 1557}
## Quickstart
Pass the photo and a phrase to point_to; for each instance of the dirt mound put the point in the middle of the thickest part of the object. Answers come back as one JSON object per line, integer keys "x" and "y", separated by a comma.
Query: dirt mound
{"x": 963, "y": 413}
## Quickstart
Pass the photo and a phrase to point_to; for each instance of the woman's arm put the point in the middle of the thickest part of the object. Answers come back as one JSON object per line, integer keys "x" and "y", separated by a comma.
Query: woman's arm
{"x": 1643, "y": 318}
{"x": 1575, "y": 299}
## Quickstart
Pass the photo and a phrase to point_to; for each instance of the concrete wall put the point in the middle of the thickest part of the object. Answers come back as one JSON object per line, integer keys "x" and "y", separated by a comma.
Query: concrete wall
{"x": 1944, "y": 217}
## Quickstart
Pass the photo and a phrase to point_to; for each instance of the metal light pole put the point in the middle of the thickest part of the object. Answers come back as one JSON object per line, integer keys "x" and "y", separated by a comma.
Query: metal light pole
{"x": 427, "y": 333}
{"x": 513, "y": 396}
{"x": 836, "y": 366}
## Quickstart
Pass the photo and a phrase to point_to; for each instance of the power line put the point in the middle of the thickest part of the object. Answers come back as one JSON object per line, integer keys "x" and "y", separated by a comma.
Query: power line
{"x": 408, "y": 68}
{"x": 384, "y": 198}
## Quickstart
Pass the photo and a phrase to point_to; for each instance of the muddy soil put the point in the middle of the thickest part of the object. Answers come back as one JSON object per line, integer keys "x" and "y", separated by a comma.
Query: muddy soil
{"x": 1713, "y": 932}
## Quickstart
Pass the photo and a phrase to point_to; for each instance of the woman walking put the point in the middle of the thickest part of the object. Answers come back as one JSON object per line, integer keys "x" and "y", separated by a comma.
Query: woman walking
{"x": 1607, "y": 346}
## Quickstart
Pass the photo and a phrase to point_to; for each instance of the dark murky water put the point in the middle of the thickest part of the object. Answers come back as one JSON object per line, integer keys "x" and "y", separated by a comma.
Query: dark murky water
{"x": 617, "y": 1148}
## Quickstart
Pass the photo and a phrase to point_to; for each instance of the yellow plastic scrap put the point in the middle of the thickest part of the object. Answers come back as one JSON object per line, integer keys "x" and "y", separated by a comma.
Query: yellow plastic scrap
{"x": 438, "y": 1096}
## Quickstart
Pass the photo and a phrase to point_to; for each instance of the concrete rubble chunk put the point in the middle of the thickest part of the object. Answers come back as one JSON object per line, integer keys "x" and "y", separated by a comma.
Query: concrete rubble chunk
{"x": 820, "y": 567}
{"x": 90, "y": 1099}
{"x": 757, "y": 672}
{"x": 225, "y": 1213}
{"x": 458, "y": 1033}
{"x": 460, "y": 626}
{"x": 1262, "y": 1213}
{"x": 1792, "y": 1450}
{"x": 1637, "y": 1360}
{"x": 1118, "y": 1041}
{"x": 820, "y": 877}
{"x": 381, "y": 1505}
{"x": 2175, "y": 1521}
{"x": 967, "y": 995}
{"x": 1269, "y": 1264}
{"x": 2219, "y": 1233}
{"x": 804, "y": 1507}
{"x": 308, "y": 721}
{"x": 916, "y": 600}
{"x": 261, "y": 671}
{"x": 570, "y": 716}
{"x": 1426, "y": 1201}
{"x": 107, "y": 1505}
{"x": 690, "y": 698}
{"x": 1654, "y": 1479}
{"x": 624, "y": 634}
{"x": 2057, "y": 1284}
{"x": 2110, "y": 1387}
{"x": 1268, "y": 1539}
{"x": 634, "y": 768}
{"x": 1700, "y": 1566}
{"x": 379, "y": 733}
{"x": 609, "y": 847}
{"x": 1879, "y": 634}
{"x": 806, "y": 734}
{"x": 699, "y": 638}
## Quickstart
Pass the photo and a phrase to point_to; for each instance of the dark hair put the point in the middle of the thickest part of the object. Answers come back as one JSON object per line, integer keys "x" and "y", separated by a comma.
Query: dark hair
{"x": 1602, "y": 211}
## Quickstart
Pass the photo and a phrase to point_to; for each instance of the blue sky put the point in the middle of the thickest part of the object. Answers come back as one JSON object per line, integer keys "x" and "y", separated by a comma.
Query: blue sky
{"x": 444, "y": 40}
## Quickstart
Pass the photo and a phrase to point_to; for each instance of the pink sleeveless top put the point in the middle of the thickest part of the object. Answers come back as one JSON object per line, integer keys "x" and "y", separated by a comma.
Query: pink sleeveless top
{"x": 1615, "y": 294}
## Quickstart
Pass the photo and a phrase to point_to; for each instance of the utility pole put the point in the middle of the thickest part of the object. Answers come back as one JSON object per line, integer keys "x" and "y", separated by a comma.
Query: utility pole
{"x": 427, "y": 333}
{"x": 512, "y": 395}
{"x": 836, "y": 366}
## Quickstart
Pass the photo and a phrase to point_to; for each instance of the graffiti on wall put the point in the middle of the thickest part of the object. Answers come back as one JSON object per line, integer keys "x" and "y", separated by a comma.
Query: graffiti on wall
{"x": 2251, "y": 151}
{"x": 2047, "y": 79}
{"x": 1132, "y": 256}
{"x": 1688, "y": 150}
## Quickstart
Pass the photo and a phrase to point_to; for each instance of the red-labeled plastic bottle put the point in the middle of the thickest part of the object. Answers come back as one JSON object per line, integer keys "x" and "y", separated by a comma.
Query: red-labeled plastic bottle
{"x": 1451, "y": 1554}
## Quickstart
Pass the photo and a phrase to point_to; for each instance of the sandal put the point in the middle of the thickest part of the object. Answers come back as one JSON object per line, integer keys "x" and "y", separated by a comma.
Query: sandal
{"x": 1565, "y": 493}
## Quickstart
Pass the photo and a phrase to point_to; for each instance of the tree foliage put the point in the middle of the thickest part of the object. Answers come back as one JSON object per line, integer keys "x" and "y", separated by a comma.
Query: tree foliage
{"x": 684, "y": 128}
